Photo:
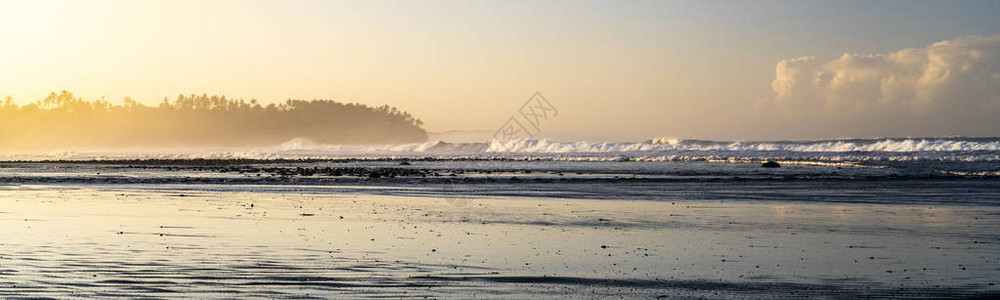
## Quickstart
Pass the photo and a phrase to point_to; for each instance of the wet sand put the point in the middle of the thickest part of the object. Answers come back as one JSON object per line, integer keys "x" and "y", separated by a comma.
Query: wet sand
{"x": 258, "y": 242}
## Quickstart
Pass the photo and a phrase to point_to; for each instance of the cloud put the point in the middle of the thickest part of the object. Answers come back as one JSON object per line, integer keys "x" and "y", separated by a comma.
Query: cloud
{"x": 948, "y": 88}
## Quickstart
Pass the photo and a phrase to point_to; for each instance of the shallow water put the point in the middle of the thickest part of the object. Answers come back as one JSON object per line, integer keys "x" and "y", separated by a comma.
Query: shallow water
{"x": 393, "y": 239}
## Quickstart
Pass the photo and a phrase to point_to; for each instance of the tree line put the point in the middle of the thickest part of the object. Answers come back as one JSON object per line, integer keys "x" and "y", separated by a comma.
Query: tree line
{"x": 65, "y": 120}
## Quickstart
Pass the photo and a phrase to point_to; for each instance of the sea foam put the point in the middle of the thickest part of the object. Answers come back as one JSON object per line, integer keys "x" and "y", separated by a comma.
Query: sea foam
{"x": 659, "y": 149}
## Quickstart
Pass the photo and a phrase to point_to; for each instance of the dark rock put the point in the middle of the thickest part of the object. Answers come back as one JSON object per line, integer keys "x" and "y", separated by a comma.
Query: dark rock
{"x": 405, "y": 163}
{"x": 770, "y": 164}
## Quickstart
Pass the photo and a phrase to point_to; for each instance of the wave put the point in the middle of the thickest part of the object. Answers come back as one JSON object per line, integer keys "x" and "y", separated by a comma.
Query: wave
{"x": 659, "y": 149}
{"x": 673, "y": 146}
{"x": 845, "y": 145}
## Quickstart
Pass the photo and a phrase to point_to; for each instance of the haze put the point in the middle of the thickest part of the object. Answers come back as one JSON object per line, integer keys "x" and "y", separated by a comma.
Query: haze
{"x": 615, "y": 70}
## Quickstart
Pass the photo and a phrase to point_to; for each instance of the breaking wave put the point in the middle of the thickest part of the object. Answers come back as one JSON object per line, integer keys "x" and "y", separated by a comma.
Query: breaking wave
{"x": 847, "y": 145}
{"x": 840, "y": 150}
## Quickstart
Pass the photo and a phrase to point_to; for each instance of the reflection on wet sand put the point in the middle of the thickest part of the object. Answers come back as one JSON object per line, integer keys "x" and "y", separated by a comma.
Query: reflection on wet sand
{"x": 115, "y": 241}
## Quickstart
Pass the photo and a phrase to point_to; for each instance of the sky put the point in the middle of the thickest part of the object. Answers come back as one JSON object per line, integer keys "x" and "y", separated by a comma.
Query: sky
{"x": 615, "y": 70}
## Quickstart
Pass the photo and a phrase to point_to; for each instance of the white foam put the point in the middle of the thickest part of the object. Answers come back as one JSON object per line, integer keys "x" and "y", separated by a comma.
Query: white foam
{"x": 662, "y": 149}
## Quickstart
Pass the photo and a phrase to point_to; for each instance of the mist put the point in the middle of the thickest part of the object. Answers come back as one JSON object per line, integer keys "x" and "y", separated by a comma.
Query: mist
{"x": 63, "y": 120}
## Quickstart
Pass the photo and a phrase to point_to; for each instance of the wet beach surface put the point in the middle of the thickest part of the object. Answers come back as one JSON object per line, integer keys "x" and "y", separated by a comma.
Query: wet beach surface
{"x": 490, "y": 229}
{"x": 127, "y": 241}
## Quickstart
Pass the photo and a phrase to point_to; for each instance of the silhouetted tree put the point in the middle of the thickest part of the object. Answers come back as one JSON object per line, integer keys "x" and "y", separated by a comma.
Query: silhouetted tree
{"x": 62, "y": 120}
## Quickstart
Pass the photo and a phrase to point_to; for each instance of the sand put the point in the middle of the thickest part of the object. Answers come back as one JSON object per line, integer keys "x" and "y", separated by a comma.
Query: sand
{"x": 216, "y": 241}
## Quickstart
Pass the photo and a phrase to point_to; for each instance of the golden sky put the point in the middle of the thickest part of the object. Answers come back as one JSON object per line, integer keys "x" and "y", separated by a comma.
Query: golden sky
{"x": 616, "y": 70}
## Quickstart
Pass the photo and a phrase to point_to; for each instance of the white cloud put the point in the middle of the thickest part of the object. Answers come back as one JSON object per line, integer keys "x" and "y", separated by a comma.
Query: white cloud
{"x": 948, "y": 88}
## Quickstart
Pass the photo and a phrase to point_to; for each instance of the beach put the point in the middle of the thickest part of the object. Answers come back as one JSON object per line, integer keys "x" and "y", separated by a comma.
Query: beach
{"x": 396, "y": 239}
